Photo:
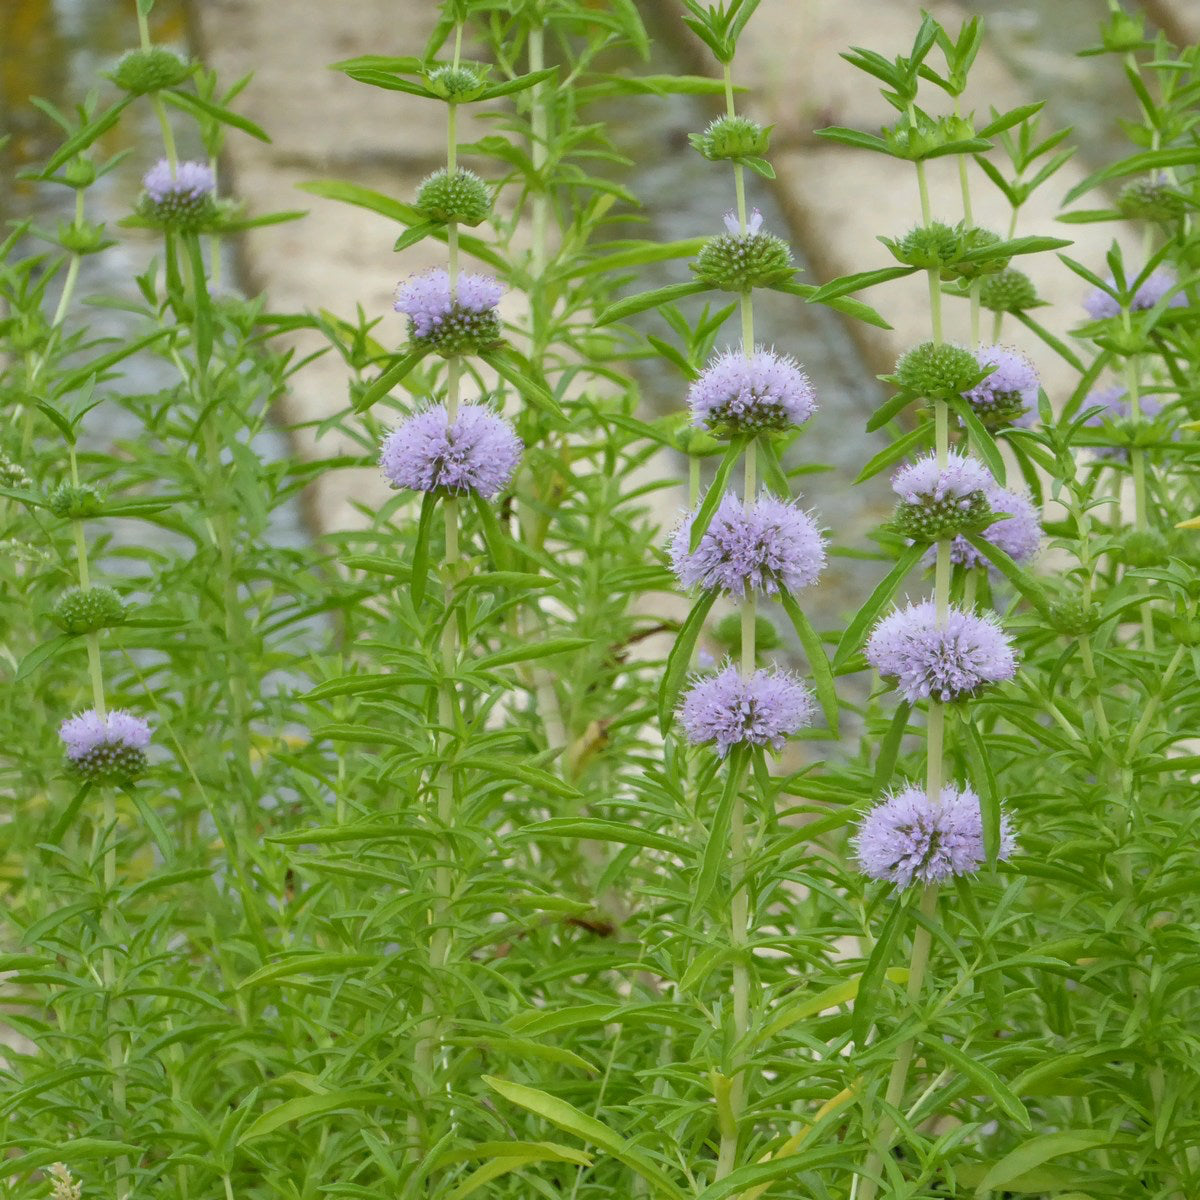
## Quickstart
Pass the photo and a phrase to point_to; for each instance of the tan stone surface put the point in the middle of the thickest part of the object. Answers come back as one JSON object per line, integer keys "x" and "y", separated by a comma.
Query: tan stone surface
{"x": 1179, "y": 18}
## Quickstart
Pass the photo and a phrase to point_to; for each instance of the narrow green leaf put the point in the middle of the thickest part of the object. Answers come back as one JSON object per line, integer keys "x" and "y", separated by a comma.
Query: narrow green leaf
{"x": 598, "y": 830}
{"x": 531, "y": 650}
{"x": 415, "y": 234}
{"x": 1039, "y": 1150}
{"x": 854, "y": 137}
{"x": 84, "y": 137}
{"x": 534, "y": 777}
{"x": 315, "y": 1105}
{"x": 871, "y": 980}
{"x": 716, "y": 850}
{"x": 565, "y": 1116}
{"x": 818, "y": 662}
{"x": 306, "y": 963}
{"x": 420, "y": 558}
{"x": 43, "y": 653}
{"x": 716, "y": 491}
{"x": 889, "y": 749}
{"x": 886, "y": 411}
{"x": 852, "y": 639}
{"x": 984, "y": 779}
{"x": 393, "y": 375}
{"x": 509, "y": 366}
{"x": 655, "y": 299}
{"x": 519, "y": 84}
{"x": 679, "y": 661}
{"x": 773, "y": 473}
{"x": 982, "y": 441}
{"x": 857, "y": 282}
{"x": 896, "y": 451}
{"x": 197, "y": 104}
{"x": 985, "y": 1078}
{"x": 1147, "y": 162}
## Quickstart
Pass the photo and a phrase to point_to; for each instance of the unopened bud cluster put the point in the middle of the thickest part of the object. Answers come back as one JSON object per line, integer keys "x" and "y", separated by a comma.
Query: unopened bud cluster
{"x": 459, "y": 196}
{"x": 732, "y": 138}
{"x": 739, "y": 262}
{"x": 937, "y": 371}
{"x": 75, "y": 501}
{"x": 150, "y": 70}
{"x": 87, "y": 610}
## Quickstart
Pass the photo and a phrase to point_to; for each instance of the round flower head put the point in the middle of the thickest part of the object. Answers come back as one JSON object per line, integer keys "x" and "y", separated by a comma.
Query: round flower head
{"x": 1117, "y": 409}
{"x": 936, "y": 502}
{"x": 905, "y": 838}
{"x": 763, "y": 710}
{"x": 1158, "y": 283}
{"x": 739, "y": 393}
{"x": 451, "y": 324}
{"x": 477, "y": 452}
{"x": 181, "y": 198}
{"x": 952, "y": 662}
{"x": 1019, "y": 535}
{"x": 110, "y": 749}
{"x": 770, "y": 544}
{"x": 1006, "y": 395}
{"x": 738, "y": 262}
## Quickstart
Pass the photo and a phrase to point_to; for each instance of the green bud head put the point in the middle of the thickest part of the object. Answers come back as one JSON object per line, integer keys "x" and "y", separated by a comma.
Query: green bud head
{"x": 1008, "y": 291}
{"x": 732, "y": 138}
{"x": 975, "y": 239}
{"x": 1151, "y": 200}
{"x": 144, "y": 71}
{"x": 461, "y": 197}
{"x": 455, "y": 83}
{"x": 75, "y": 501}
{"x": 735, "y": 262}
{"x": 931, "y": 520}
{"x": 937, "y": 371}
{"x": 86, "y": 611}
{"x": 933, "y": 245}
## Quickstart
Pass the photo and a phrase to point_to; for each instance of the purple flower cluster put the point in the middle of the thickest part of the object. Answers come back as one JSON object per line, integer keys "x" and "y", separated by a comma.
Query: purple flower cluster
{"x": 108, "y": 749}
{"x": 905, "y": 838}
{"x": 1116, "y": 406}
{"x": 1019, "y": 535}
{"x": 1158, "y": 283}
{"x": 923, "y": 481}
{"x": 946, "y": 662}
{"x": 761, "y": 548}
{"x": 1008, "y": 396}
{"x": 477, "y": 452}
{"x": 762, "y": 710}
{"x": 180, "y": 198}
{"x": 740, "y": 392}
{"x": 455, "y": 320}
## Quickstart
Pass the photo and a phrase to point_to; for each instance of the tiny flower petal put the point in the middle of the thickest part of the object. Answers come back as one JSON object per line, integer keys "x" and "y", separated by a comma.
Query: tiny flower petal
{"x": 478, "y": 452}
{"x": 763, "y": 710}
{"x": 759, "y": 548}
{"x": 947, "y": 662}
{"x": 906, "y": 839}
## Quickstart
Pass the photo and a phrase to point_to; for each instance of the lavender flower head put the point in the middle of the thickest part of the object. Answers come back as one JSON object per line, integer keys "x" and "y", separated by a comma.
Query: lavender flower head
{"x": 936, "y": 502}
{"x": 763, "y": 710}
{"x": 457, "y": 323}
{"x": 182, "y": 198}
{"x": 746, "y": 393}
{"x": 1158, "y": 283}
{"x": 476, "y": 452}
{"x": 1117, "y": 409}
{"x": 109, "y": 749}
{"x": 769, "y": 545}
{"x": 1008, "y": 396}
{"x": 905, "y": 838}
{"x": 948, "y": 663}
{"x": 1019, "y": 535}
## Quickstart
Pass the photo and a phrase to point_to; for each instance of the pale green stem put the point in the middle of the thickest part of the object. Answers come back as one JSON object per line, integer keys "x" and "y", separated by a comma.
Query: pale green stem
{"x": 1137, "y": 462}
{"x": 898, "y": 1077}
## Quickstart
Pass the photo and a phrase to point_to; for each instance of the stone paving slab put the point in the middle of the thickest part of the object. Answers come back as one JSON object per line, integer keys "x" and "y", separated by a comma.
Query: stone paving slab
{"x": 1180, "y": 19}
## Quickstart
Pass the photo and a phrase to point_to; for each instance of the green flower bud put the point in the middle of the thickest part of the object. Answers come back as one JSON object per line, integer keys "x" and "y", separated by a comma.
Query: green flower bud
{"x": 1008, "y": 291}
{"x": 82, "y": 237}
{"x": 1069, "y": 616}
{"x": 1124, "y": 32}
{"x": 80, "y": 172}
{"x": 932, "y": 519}
{"x": 732, "y": 138}
{"x": 933, "y": 245}
{"x": 75, "y": 501}
{"x": 151, "y": 70}
{"x": 461, "y": 197}
{"x": 975, "y": 239}
{"x": 455, "y": 83}
{"x": 1151, "y": 200}
{"x": 80, "y": 611}
{"x": 937, "y": 372}
{"x": 738, "y": 262}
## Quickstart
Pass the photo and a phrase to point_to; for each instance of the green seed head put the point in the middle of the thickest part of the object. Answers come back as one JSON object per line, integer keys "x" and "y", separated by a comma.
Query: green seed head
{"x": 144, "y": 71}
{"x": 1151, "y": 200}
{"x": 1008, "y": 291}
{"x": 736, "y": 262}
{"x": 732, "y": 138}
{"x": 937, "y": 371}
{"x": 975, "y": 239}
{"x": 455, "y": 83}
{"x": 461, "y": 197}
{"x": 933, "y": 519}
{"x": 110, "y": 763}
{"x": 75, "y": 501}
{"x": 80, "y": 611}
{"x": 933, "y": 245}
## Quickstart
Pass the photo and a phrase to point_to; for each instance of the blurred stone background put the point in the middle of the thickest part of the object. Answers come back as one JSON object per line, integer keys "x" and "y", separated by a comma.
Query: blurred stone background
{"x": 830, "y": 200}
